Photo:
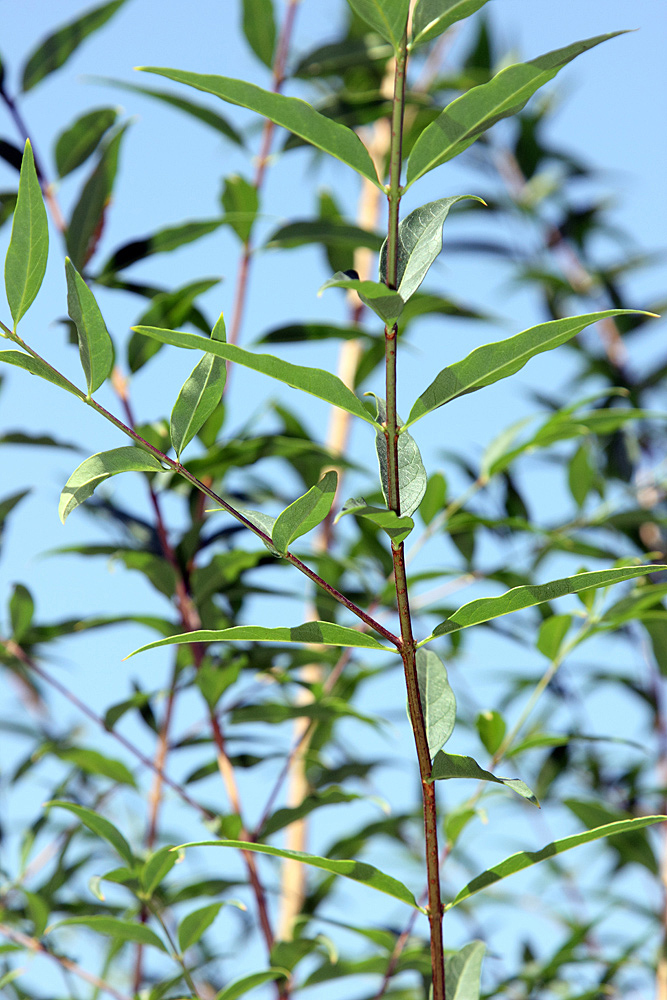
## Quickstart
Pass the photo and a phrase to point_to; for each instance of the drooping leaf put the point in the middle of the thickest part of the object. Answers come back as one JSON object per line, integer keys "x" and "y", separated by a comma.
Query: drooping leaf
{"x": 419, "y": 243}
{"x": 100, "y": 826}
{"x": 322, "y": 633}
{"x": 437, "y": 698}
{"x": 240, "y": 201}
{"x": 524, "y": 859}
{"x": 163, "y": 241}
{"x": 411, "y": 472}
{"x": 492, "y": 362}
{"x": 56, "y": 49}
{"x": 387, "y": 17}
{"x": 454, "y": 765}
{"x": 120, "y": 930}
{"x": 290, "y": 112}
{"x": 470, "y": 115}
{"x": 75, "y": 144}
{"x": 359, "y": 871}
{"x": 195, "y": 924}
{"x": 385, "y": 302}
{"x": 87, "y": 220}
{"x": 305, "y": 513}
{"x": 463, "y": 969}
{"x": 95, "y": 345}
{"x": 433, "y": 17}
{"x": 486, "y": 608}
{"x": 397, "y": 527}
{"x": 21, "y": 610}
{"x": 259, "y": 27}
{"x": 87, "y": 477}
{"x": 312, "y": 380}
{"x": 38, "y": 367}
{"x": 199, "y": 396}
{"x": 246, "y": 983}
{"x": 25, "y": 263}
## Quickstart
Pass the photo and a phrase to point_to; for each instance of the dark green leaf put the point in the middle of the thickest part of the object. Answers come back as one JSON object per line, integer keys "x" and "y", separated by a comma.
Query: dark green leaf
{"x": 95, "y": 346}
{"x": 387, "y": 17}
{"x": 247, "y": 983}
{"x": 491, "y": 362}
{"x": 398, "y": 528}
{"x": 454, "y": 765}
{"x": 80, "y": 140}
{"x": 470, "y": 115}
{"x": 100, "y": 826}
{"x": 240, "y": 201}
{"x": 524, "y": 859}
{"x": 437, "y": 698}
{"x": 305, "y": 513}
{"x": 169, "y": 311}
{"x": 288, "y": 815}
{"x": 164, "y": 241}
{"x": 356, "y": 870}
{"x": 333, "y": 233}
{"x": 56, "y": 49}
{"x": 25, "y": 263}
{"x": 199, "y": 396}
{"x": 87, "y": 477}
{"x": 195, "y": 924}
{"x": 411, "y": 471}
{"x": 385, "y": 302}
{"x": 313, "y": 380}
{"x": 121, "y": 930}
{"x": 290, "y": 112}
{"x": 7, "y": 205}
{"x": 463, "y": 969}
{"x": 21, "y": 610}
{"x": 87, "y": 221}
{"x": 580, "y": 474}
{"x": 38, "y": 367}
{"x": 259, "y": 27}
{"x": 632, "y": 846}
{"x": 433, "y": 17}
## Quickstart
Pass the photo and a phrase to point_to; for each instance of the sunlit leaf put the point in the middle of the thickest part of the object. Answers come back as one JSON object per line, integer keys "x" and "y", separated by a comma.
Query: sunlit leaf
{"x": 246, "y": 983}
{"x": 305, "y": 513}
{"x": 195, "y": 924}
{"x": 25, "y": 263}
{"x": 491, "y": 728}
{"x": 199, "y": 396}
{"x": 454, "y": 765}
{"x": 93, "y": 762}
{"x": 387, "y": 17}
{"x": 87, "y": 477}
{"x": 37, "y": 367}
{"x": 259, "y": 27}
{"x": 433, "y": 17}
{"x": 411, "y": 472}
{"x": 156, "y": 867}
{"x": 95, "y": 346}
{"x": 87, "y": 219}
{"x": 240, "y": 201}
{"x": 100, "y": 826}
{"x": 81, "y": 139}
{"x": 463, "y": 970}
{"x": 437, "y": 699}
{"x": 397, "y": 527}
{"x": 385, "y": 302}
{"x": 121, "y": 930}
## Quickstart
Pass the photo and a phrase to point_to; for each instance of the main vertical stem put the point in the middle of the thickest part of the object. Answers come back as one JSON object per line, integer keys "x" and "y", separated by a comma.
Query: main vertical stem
{"x": 408, "y": 649}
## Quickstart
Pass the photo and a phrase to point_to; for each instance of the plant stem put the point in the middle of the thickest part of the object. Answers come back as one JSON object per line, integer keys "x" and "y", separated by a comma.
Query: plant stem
{"x": 407, "y": 649}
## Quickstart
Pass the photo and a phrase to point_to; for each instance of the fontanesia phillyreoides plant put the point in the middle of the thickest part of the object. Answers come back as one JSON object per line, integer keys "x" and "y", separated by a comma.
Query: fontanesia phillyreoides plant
{"x": 409, "y": 250}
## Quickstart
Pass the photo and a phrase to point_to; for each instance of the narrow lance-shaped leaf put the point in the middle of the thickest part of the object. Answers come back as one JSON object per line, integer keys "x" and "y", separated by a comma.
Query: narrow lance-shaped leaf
{"x": 95, "y": 345}
{"x": 199, "y": 395}
{"x": 492, "y": 362}
{"x": 100, "y": 826}
{"x": 463, "y": 970}
{"x": 412, "y": 477}
{"x": 437, "y": 699}
{"x": 21, "y": 611}
{"x": 25, "y": 263}
{"x": 40, "y": 368}
{"x": 486, "y": 608}
{"x": 259, "y": 27}
{"x": 193, "y": 926}
{"x": 385, "y": 302}
{"x": 87, "y": 477}
{"x": 87, "y": 218}
{"x": 246, "y": 983}
{"x": 358, "y": 871}
{"x": 305, "y": 513}
{"x": 470, "y": 115}
{"x": 240, "y": 201}
{"x": 81, "y": 139}
{"x": 397, "y": 527}
{"x": 419, "y": 243}
{"x": 56, "y": 49}
{"x": 290, "y": 112}
{"x": 524, "y": 859}
{"x": 387, "y": 17}
{"x": 454, "y": 765}
{"x": 163, "y": 241}
{"x": 120, "y": 930}
{"x": 315, "y": 381}
{"x": 433, "y": 17}
{"x": 321, "y": 633}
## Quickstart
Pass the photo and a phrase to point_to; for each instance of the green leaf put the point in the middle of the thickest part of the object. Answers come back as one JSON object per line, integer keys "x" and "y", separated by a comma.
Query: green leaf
{"x": 38, "y": 367}
{"x": 492, "y": 362}
{"x": 580, "y": 474}
{"x": 312, "y": 380}
{"x": 81, "y": 139}
{"x": 289, "y": 814}
{"x": 93, "y": 762}
{"x": 397, "y": 527}
{"x": 94, "y": 470}
{"x": 56, "y": 49}
{"x": 246, "y": 983}
{"x": 305, "y": 513}
{"x": 419, "y": 243}
{"x": 454, "y": 765}
{"x": 433, "y": 17}
{"x": 195, "y": 924}
{"x": 359, "y": 871}
{"x": 95, "y": 346}
{"x": 524, "y": 859}
{"x": 200, "y": 394}
{"x": 491, "y": 728}
{"x": 25, "y": 263}
{"x": 470, "y": 115}
{"x": 156, "y": 867}
{"x": 259, "y": 27}
{"x": 518, "y": 598}
{"x": 164, "y": 241}
{"x": 463, "y": 971}
{"x": 437, "y": 698}
{"x": 411, "y": 471}
{"x": 552, "y": 632}
{"x": 322, "y": 633}
{"x": 85, "y": 227}
{"x": 385, "y": 302}
{"x": 240, "y": 201}
{"x": 21, "y": 611}
{"x": 331, "y": 233}
{"x": 434, "y": 499}
{"x": 100, "y": 826}
{"x": 290, "y": 112}
{"x": 387, "y": 17}
{"x": 120, "y": 930}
